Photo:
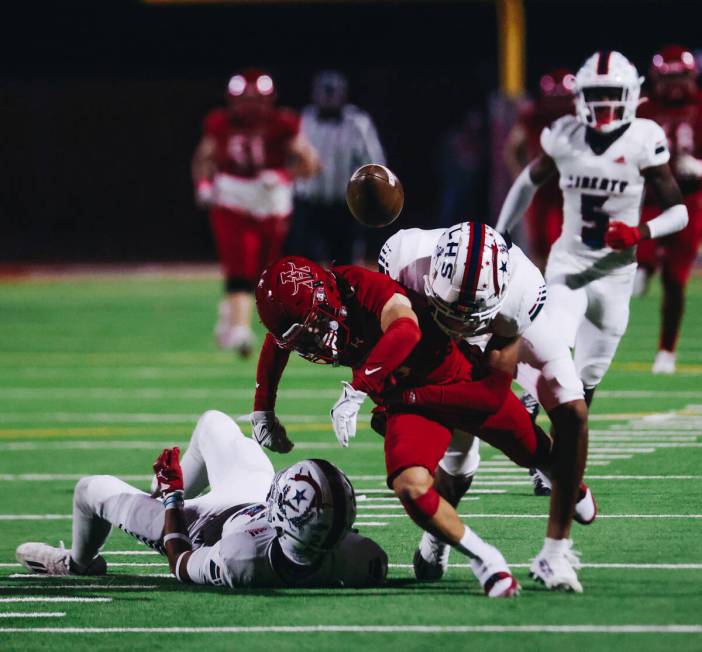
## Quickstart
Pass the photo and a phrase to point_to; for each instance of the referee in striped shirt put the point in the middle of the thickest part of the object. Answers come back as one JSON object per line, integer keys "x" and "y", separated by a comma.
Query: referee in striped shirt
{"x": 345, "y": 138}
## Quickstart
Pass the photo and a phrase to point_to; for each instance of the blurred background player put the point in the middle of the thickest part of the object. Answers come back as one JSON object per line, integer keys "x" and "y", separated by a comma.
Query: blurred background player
{"x": 243, "y": 169}
{"x": 676, "y": 105}
{"x": 544, "y": 218}
{"x": 345, "y": 138}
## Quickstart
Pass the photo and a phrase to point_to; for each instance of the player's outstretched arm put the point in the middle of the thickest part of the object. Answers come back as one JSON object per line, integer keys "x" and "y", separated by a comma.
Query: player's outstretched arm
{"x": 169, "y": 479}
{"x": 203, "y": 170}
{"x": 401, "y": 334}
{"x": 522, "y": 191}
{"x": 267, "y": 429}
{"x": 303, "y": 158}
{"x": 673, "y": 218}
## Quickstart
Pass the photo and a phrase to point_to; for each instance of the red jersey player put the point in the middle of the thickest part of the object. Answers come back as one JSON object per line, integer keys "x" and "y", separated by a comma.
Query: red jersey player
{"x": 675, "y": 104}
{"x": 401, "y": 359}
{"x": 545, "y": 216}
{"x": 243, "y": 170}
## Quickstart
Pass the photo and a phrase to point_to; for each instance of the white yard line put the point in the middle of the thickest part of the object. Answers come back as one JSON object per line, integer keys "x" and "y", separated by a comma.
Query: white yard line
{"x": 43, "y": 598}
{"x": 372, "y": 629}
{"x": 78, "y": 586}
{"x": 32, "y": 614}
{"x": 622, "y": 566}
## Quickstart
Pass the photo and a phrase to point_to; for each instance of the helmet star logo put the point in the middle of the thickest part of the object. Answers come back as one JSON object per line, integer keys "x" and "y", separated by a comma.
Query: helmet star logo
{"x": 297, "y": 276}
{"x": 299, "y": 496}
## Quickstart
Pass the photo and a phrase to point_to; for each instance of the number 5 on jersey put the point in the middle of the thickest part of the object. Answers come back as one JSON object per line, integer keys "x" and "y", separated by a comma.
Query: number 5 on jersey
{"x": 595, "y": 220}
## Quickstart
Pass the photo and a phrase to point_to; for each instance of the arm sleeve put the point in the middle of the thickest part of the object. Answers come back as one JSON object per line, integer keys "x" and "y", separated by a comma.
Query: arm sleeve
{"x": 391, "y": 350}
{"x": 517, "y": 201}
{"x": 486, "y": 395}
{"x": 671, "y": 220}
{"x": 205, "y": 566}
{"x": 271, "y": 364}
{"x": 655, "y": 149}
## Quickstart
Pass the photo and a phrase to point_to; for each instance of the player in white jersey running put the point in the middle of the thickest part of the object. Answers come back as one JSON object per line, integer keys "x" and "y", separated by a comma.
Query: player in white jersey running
{"x": 472, "y": 259}
{"x": 252, "y": 528}
{"x": 604, "y": 155}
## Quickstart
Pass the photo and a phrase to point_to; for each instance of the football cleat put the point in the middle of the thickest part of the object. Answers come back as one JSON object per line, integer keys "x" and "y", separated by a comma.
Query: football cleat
{"x": 586, "y": 507}
{"x": 430, "y": 559}
{"x": 531, "y": 405}
{"x": 557, "y": 570}
{"x": 44, "y": 559}
{"x": 542, "y": 484}
{"x": 664, "y": 363}
{"x": 494, "y": 576}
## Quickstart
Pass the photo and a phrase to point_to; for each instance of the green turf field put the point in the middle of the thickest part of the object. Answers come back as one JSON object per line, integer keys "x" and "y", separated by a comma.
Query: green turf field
{"x": 98, "y": 375}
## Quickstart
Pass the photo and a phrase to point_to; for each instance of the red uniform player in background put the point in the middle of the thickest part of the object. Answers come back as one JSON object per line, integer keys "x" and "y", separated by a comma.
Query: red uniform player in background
{"x": 545, "y": 216}
{"x": 675, "y": 104}
{"x": 243, "y": 169}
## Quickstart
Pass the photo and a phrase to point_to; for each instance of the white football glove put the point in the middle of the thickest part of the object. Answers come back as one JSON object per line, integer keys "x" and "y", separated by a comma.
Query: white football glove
{"x": 269, "y": 432}
{"x": 345, "y": 412}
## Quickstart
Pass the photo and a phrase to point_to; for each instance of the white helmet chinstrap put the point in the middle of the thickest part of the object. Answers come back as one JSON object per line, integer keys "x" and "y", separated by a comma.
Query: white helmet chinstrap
{"x": 468, "y": 278}
{"x": 607, "y": 89}
{"x": 312, "y": 505}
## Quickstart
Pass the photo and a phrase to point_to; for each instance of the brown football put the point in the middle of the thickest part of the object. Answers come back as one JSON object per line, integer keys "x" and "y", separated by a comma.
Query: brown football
{"x": 374, "y": 195}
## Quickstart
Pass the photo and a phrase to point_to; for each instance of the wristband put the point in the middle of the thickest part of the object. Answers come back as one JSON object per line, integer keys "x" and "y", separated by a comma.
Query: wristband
{"x": 177, "y": 566}
{"x": 173, "y": 500}
{"x": 176, "y": 535}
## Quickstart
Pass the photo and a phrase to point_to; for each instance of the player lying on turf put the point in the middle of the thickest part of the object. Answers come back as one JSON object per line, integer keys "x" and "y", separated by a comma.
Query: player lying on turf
{"x": 252, "y": 528}
{"x": 402, "y": 360}
{"x": 482, "y": 288}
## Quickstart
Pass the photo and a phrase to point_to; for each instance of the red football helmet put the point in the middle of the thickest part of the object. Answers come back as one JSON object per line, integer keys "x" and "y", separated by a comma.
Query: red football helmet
{"x": 673, "y": 74}
{"x": 251, "y": 94}
{"x": 299, "y": 303}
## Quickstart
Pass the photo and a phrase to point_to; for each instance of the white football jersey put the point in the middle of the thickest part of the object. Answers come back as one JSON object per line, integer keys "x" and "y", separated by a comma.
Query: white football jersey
{"x": 406, "y": 258}
{"x": 244, "y": 556}
{"x": 597, "y": 188}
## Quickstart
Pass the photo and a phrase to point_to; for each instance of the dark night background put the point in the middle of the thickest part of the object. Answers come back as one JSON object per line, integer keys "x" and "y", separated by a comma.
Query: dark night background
{"x": 101, "y": 104}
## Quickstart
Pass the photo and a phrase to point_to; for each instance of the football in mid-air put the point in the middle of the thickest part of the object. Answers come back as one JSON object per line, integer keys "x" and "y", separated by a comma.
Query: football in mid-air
{"x": 374, "y": 195}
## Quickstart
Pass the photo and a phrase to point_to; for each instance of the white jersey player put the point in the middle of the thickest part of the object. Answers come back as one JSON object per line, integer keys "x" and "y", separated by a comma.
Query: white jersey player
{"x": 604, "y": 155}
{"x": 506, "y": 307}
{"x": 252, "y": 528}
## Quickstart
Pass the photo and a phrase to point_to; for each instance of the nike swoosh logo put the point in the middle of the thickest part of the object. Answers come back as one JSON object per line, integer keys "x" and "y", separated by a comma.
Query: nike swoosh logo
{"x": 370, "y": 372}
{"x": 258, "y": 385}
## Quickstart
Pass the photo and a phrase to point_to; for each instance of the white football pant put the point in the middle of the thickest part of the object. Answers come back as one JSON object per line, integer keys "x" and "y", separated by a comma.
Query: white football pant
{"x": 219, "y": 455}
{"x": 588, "y": 304}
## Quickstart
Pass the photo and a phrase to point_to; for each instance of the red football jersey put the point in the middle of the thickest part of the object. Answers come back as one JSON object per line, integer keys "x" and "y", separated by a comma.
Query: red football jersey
{"x": 682, "y": 125}
{"x": 243, "y": 150}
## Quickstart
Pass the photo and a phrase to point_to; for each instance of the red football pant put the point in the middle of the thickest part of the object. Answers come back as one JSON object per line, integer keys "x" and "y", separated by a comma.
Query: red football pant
{"x": 413, "y": 439}
{"x": 245, "y": 245}
{"x": 676, "y": 255}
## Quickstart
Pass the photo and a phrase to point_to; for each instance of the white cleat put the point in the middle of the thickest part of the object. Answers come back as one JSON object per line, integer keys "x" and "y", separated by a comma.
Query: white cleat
{"x": 557, "y": 570}
{"x": 664, "y": 363}
{"x": 586, "y": 507}
{"x": 430, "y": 558}
{"x": 494, "y": 576}
{"x": 44, "y": 559}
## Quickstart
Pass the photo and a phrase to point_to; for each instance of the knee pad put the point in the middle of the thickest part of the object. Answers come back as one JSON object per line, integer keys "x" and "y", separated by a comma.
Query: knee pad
{"x": 423, "y": 507}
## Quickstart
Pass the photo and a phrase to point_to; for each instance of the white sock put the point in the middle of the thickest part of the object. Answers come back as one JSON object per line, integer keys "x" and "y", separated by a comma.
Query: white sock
{"x": 473, "y": 546}
{"x": 556, "y": 546}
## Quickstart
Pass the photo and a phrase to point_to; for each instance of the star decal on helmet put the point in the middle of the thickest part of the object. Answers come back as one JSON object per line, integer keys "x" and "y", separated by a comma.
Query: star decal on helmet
{"x": 299, "y": 496}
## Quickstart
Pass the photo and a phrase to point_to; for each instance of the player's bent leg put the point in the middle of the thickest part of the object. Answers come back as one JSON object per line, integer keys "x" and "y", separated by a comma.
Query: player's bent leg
{"x": 413, "y": 486}
{"x": 237, "y": 469}
{"x": 452, "y": 480}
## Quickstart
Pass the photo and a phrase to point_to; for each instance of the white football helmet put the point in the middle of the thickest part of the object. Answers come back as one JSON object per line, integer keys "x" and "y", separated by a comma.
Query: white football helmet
{"x": 468, "y": 278}
{"x": 312, "y": 505}
{"x": 607, "y": 89}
